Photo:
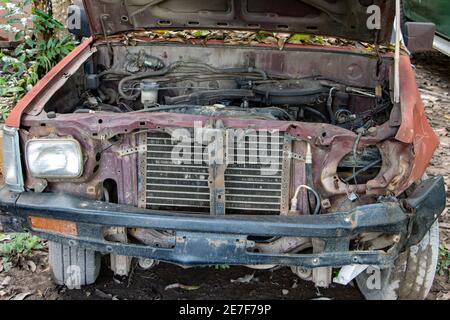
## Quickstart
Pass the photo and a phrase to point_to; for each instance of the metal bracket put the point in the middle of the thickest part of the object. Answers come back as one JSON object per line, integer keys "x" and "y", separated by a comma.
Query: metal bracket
{"x": 295, "y": 156}
{"x": 217, "y": 168}
{"x": 127, "y": 152}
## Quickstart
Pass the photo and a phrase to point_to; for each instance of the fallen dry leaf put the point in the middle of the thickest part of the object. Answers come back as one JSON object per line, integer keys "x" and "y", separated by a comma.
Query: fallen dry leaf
{"x": 245, "y": 279}
{"x": 443, "y": 296}
{"x": 21, "y": 296}
{"x": 181, "y": 286}
{"x": 6, "y": 281}
{"x": 31, "y": 266}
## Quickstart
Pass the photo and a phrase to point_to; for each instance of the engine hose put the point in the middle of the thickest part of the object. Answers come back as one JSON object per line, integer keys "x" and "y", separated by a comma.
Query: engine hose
{"x": 314, "y": 192}
{"x": 147, "y": 74}
{"x": 314, "y": 202}
{"x": 164, "y": 71}
{"x": 164, "y": 108}
{"x": 330, "y": 106}
{"x": 227, "y": 70}
{"x": 309, "y": 182}
{"x": 316, "y": 113}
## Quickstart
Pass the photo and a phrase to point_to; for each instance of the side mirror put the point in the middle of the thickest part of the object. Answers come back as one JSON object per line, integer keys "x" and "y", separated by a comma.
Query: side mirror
{"x": 77, "y": 21}
{"x": 419, "y": 36}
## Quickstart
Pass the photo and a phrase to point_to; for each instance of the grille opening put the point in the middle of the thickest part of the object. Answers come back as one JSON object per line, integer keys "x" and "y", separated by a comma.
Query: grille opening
{"x": 367, "y": 166}
{"x": 110, "y": 191}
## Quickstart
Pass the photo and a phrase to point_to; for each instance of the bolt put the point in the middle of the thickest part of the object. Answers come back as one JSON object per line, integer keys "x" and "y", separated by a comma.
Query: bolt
{"x": 146, "y": 264}
{"x": 315, "y": 261}
{"x": 51, "y": 115}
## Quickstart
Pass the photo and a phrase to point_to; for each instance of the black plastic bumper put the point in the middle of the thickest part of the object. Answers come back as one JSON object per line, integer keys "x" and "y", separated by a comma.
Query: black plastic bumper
{"x": 202, "y": 240}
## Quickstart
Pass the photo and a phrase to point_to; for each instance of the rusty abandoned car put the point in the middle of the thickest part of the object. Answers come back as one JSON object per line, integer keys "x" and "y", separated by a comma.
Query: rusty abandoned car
{"x": 207, "y": 153}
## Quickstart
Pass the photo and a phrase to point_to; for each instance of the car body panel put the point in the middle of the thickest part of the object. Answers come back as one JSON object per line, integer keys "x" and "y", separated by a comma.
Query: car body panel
{"x": 436, "y": 11}
{"x": 414, "y": 127}
{"x": 405, "y": 148}
{"x": 345, "y": 18}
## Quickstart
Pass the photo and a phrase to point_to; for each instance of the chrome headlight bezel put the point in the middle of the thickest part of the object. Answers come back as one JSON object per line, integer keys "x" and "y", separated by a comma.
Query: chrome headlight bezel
{"x": 52, "y": 143}
{"x": 12, "y": 165}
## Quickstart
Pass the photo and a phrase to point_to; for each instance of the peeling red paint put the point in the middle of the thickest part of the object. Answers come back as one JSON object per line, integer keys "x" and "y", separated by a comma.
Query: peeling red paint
{"x": 415, "y": 127}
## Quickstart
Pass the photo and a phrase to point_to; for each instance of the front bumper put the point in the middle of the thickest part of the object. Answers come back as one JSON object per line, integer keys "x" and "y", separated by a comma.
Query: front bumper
{"x": 202, "y": 240}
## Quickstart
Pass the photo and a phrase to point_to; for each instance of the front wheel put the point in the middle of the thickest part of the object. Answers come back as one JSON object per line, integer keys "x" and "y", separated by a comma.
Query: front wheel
{"x": 410, "y": 278}
{"x": 72, "y": 266}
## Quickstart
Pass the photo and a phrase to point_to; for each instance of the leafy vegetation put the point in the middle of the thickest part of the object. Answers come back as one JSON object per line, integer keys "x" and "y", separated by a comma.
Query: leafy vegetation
{"x": 37, "y": 54}
{"x": 444, "y": 260}
{"x": 15, "y": 246}
{"x": 221, "y": 266}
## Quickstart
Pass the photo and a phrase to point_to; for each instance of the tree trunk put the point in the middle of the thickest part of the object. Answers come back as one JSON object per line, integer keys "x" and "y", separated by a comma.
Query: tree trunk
{"x": 59, "y": 10}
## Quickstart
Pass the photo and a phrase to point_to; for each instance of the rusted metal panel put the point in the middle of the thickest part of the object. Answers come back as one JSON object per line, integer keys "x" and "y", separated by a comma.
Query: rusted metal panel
{"x": 330, "y": 144}
{"x": 415, "y": 127}
{"x": 345, "y": 18}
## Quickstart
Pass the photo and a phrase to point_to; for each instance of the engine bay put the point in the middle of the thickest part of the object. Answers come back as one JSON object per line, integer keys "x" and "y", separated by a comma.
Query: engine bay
{"x": 145, "y": 82}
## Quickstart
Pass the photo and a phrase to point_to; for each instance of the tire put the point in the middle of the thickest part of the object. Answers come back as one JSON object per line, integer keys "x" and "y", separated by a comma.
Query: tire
{"x": 72, "y": 266}
{"x": 412, "y": 275}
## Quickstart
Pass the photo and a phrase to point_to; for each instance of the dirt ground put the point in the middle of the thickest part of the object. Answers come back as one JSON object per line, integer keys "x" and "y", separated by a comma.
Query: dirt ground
{"x": 172, "y": 282}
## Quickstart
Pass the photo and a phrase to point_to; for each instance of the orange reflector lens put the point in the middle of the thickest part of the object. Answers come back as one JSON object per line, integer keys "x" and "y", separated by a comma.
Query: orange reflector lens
{"x": 58, "y": 226}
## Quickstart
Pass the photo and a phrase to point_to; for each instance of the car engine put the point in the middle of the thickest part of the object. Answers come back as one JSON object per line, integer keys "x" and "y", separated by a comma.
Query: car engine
{"x": 147, "y": 84}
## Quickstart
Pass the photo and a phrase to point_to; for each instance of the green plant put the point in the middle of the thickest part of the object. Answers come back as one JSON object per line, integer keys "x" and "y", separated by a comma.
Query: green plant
{"x": 15, "y": 246}
{"x": 221, "y": 266}
{"x": 37, "y": 54}
{"x": 21, "y": 244}
{"x": 444, "y": 260}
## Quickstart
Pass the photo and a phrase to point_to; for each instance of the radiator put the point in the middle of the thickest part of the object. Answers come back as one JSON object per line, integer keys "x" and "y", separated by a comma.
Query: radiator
{"x": 184, "y": 186}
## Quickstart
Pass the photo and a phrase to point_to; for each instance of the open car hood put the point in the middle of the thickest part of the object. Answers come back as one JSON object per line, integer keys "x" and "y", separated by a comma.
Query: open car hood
{"x": 336, "y": 18}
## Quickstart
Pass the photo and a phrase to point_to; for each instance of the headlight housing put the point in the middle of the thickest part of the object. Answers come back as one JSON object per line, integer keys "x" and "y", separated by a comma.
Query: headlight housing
{"x": 12, "y": 166}
{"x": 54, "y": 158}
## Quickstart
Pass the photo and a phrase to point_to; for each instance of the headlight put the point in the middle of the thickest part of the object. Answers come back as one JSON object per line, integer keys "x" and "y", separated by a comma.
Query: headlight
{"x": 12, "y": 167}
{"x": 54, "y": 158}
